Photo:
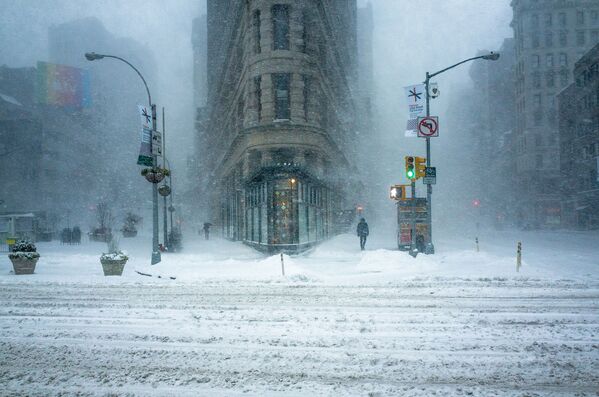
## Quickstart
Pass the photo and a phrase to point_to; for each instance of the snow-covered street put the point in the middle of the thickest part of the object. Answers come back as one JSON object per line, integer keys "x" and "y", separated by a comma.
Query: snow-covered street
{"x": 341, "y": 322}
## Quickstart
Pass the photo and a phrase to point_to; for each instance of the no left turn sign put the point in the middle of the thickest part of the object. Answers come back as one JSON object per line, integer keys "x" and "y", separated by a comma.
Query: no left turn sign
{"x": 428, "y": 126}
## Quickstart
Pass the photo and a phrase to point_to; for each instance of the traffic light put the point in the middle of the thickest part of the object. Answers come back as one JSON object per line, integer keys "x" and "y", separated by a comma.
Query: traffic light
{"x": 410, "y": 172}
{"x": 397, "y": 192}
{"x": 420, "y": 167}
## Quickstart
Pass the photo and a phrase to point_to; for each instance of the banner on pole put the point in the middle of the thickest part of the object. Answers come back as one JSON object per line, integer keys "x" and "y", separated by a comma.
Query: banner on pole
{"x": 145, "y": 149}
{"x": 416, "y": 100}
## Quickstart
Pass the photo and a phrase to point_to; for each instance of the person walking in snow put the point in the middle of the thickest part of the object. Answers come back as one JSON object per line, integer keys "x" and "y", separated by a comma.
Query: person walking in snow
{"x": 207, "y": 230}
{"x": 362, "y": 231}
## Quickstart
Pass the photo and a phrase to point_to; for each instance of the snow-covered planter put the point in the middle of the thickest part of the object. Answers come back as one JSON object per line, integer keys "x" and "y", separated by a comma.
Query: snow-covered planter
{"x": 130, "y": 227}
{"x": 24, "y": 257}
{"x": 113, "y": 263}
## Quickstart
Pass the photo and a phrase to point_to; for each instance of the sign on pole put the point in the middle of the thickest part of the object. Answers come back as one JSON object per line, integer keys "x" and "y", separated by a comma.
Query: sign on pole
{"x": 416, "y": 100}
{"x": 430, "y": 176}
{"x": 428, "y": 126}
{"x": 156, "y": 143}
{"x": 145, "y": 149}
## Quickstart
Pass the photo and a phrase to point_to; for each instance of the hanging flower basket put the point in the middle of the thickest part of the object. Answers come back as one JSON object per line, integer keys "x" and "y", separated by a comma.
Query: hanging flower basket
{"x": 155, "y": 175}
{"x": 164, "y": 190}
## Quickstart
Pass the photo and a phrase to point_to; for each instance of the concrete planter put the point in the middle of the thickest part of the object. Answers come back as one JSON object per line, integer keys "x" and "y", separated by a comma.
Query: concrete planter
{"x": 113, "y": 267}
{"x": 23, "y": 264}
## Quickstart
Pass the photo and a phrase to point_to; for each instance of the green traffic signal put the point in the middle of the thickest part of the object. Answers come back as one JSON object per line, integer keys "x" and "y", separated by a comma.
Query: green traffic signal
{"x": 410, "y": 172}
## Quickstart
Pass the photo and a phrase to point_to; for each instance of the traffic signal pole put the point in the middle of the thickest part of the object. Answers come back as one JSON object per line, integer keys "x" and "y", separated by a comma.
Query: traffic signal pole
{"x": 492, "y": 56}
{"x": 430, "y": 248}
{"x": 413, "y": 234}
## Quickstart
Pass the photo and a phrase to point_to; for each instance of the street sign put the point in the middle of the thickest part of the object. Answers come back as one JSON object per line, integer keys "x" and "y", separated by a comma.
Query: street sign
{"x": 416, "y": 100}
{"x": 428, "y": 126}
{"x": 156, "y": 143}
{"x": 145, "y": 148}
{"x": 430, "y": 176}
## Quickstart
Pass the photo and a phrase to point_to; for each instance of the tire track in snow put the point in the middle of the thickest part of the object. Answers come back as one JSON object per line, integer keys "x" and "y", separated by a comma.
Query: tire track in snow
{"x": 267, "y": 338}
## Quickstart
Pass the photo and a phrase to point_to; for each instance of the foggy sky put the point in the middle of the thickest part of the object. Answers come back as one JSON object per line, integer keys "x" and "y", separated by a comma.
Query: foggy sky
{"x": 410, "y": 38}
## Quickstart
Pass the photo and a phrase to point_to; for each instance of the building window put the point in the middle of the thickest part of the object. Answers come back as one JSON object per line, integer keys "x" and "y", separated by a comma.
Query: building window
{"x": 539, "y": 161}
{"x": 550, "y": 101}
{"x": 307, "y": 87}
{"x": 305, "y": 22}
{"x": 549, "y": 39}
{"x": 548, "y": 20}
{"x": 563, "y": 38}
{"x": 562, "y": 19}
{"x": 536, "y": 80}
{"x": 537, "y": 100}
{"x": 258, "y": 96}
{"x": 595, "y": 17}
{"x": 549, "y": 79}
{"x": 563, "y": 76}
{"x": 595, "y": 36}
{"x": 549, "y": 60}
{"x": 281, "y": 87}
{"x": 580, "y": 18}
{"x": 280, "y": 20}
{"x": 538, "y": 140}
{"x": 534, "y": 21}
{"x": 563, "y": 59}
{"x": 256, "y": 27}
{"x": 535, "y": 41}
{"x": 535, "y": 61}
{"x": 580, "y": 37}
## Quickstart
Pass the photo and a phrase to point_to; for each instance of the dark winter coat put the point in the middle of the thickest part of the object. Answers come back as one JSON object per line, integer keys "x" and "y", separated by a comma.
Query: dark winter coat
{"x": 362, "y": 229}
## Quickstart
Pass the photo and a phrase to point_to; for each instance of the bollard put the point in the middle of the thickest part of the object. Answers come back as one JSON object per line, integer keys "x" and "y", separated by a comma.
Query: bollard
{"x": 476, "y": 239}
{"x": 519, "y": 256}
{"x": 282, "y": 265}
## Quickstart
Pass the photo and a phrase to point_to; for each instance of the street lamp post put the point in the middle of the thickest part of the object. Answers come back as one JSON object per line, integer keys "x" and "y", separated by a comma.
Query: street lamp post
{"x": 92, "y": 56}
{"x": 492, "y": 56}
{"x": 165, "y": 225}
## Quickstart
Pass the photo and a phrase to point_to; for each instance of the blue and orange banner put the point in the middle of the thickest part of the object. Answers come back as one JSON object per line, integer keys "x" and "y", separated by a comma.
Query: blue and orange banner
{"x": 64, "y": 86}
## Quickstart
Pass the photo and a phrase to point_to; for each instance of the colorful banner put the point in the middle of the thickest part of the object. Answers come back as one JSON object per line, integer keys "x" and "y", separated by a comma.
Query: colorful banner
{"x": 416, "y": 100}
{"x": 61, "y": 85}
{"x": 145, "y": 150}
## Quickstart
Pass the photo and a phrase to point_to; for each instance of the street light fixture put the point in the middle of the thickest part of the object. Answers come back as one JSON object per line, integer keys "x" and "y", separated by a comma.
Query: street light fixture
{"x": 492, "y": 56}
{"x": 92, "y": 56}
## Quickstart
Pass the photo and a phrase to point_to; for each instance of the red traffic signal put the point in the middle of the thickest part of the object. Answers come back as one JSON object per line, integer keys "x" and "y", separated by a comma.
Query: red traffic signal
{"x": 476, "y": 203}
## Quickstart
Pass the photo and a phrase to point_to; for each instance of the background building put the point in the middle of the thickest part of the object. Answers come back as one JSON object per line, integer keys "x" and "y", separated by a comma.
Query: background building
{"x": 490, "y": 126}
{"x": 579, "y": 144}
{"x": 280, "y": 135}
{"x": 550, "y": 36}
{"x": 64, "y": 158}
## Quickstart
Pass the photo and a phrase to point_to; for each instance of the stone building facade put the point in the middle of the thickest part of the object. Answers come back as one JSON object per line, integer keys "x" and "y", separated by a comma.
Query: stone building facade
{"x": 579, "y": 144}
{"x": 279, "y": 146}
{"x": 550, "y": 36}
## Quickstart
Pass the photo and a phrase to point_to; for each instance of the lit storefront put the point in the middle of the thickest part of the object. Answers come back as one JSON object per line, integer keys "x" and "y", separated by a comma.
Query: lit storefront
{"x": 280, "y": 211}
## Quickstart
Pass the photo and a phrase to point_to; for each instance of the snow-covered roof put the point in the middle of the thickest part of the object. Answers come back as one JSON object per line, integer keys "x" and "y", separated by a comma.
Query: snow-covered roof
{"x": 10, "y": 99}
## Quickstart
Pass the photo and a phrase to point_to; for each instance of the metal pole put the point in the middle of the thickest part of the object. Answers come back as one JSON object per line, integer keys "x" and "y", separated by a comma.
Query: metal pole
{"x": 155, "y": 248}
{"x": 430, "y": 248}
{"x": 164, "y": 224}
{"x": 413, "y": 234}
{"x": 171, "y": 201}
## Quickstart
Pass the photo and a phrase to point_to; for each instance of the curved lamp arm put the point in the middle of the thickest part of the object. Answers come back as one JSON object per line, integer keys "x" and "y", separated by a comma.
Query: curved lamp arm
{"x": 492, "y": 56}
{"x": 92, "y": 56}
